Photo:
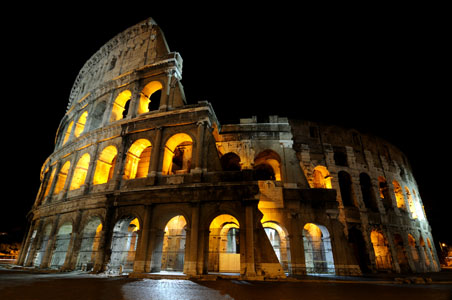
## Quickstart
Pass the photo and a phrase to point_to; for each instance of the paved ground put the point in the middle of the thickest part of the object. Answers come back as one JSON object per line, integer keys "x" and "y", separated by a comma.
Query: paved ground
{"x": 28, "y": 285}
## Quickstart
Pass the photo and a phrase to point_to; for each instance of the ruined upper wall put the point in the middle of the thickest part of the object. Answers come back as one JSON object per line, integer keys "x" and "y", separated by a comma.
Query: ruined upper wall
{"x": 140, "y": 45}
{"x": 316, "y": 135}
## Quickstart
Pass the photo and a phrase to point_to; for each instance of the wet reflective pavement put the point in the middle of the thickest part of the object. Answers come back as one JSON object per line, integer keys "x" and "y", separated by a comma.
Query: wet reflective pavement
{"x": 26, "y": 285}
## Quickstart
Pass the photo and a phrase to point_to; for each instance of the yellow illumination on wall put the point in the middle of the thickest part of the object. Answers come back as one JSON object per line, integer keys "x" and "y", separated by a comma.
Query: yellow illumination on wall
{"x": 321, "y": 178}
{"x": 381, "y": 250}
{"x": 135, "y": 224}
{"x": 68, "y": 132}
{"x": 62, "y": 175}
{"x": 145, "y": 95}
{"x": 80, "y": 125}
{"x": 49, "y": 182}
{"x": 81, "y": 169}
{"x": 177, "y": 140}
{"x": 137, "y": 160}
{"x": 399, "y": 195}
{"x": 119, "y": 105}
{"x": 105, "y": 165}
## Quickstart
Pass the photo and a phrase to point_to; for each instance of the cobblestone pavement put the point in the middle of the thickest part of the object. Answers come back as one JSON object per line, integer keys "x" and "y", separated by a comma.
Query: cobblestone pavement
{"x": 27, "y": 285}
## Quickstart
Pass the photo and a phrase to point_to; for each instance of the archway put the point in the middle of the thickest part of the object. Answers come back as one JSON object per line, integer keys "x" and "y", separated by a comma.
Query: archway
{"x": 61, "y": 179}
{"x": 346, "y": 189}
{"x": 402, "y": 258}
{"x": 321, "y": 178}
{"x": 230, "y": 162}
{"x": 280, "y": 243}
{"x": 62, "y": 240}
{"x": 318, "y": 251}
{"x": 123, "y": 245}
{"x": 105, "y": 165}
{"x": 80, "y": 172}
{"x": 224, "y": 245}
{"x": 267, "y": 166}
{"x": 177, "y": 154}
{"x": 138, "y": 159}
{"x": 89, "y": 244}
{"x": 150, "y": 97}
{"x": 356, "y": 240}
{"x": 367, "y": 192}
{"x": 381, "y": 249}
{"x": 40, "y": 252}
{"x": 120, "y": 106}
{"x": 173, "y": 250}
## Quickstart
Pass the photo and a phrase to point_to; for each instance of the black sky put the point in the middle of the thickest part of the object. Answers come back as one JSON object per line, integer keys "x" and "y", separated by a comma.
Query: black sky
{"x": 383, "y": 70}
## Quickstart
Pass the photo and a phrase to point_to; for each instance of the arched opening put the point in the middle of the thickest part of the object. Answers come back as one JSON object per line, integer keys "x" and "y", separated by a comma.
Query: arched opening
{"x": 267, "y": 166}
{"x": 224, "y": 245}
{"x": 67, "y": 133}
{"x": 173, "y": 250}
{"x": 317, "y": 250}
{"x": 49, "y": 182}
{"x": 62, "y": 240}
{"x": 413, "y": 249}
{"x": 120, "y": 106}
{"x": 411, "y": 206}
{"x": 356, "y": 240}
{"x": 97, "y": 115}
{"x": 230, "y": 162}
{"x": 280, "y": 243}
{"x": 321, "y": 178}
{"x": 384, "y": 192}
{"x": 81, "y": 169}
{"x": 345, "y": 185}
{"x": 150, "y": 97}
{"x": 368, "y": 192}
{"x": 61, "y": 179}
{"x": 402, "y": 258}
{"x": 138, "y": 159}
{"x": 89, "y": 245}
{"x": 398, "y": 192}
{"x": 123, "y": 245}
{"x": 80, "y": 125}
{"x": 381, "y": 250}
{"x": 40, "y": 251}
{"x": 105, "y": 165}
{"x": 424, "y": 251}
{"x": 177, "y": 154}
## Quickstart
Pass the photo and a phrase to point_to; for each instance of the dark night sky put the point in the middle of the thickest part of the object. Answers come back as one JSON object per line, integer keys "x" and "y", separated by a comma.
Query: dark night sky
{"x": 378, "y": 69}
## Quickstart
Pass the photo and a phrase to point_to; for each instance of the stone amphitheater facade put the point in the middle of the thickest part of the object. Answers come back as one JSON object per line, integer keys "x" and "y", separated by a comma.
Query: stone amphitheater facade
{"x": 140, "y": 181}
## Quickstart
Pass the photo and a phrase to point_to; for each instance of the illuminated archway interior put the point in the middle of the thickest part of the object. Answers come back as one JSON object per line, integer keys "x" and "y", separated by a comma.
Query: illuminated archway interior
{"x": 138, "y": 159}
{"x": 89, "y": 244}
{"x": 124, "y": 244}
{"x": 61, "y": 245}
{"x": 178, "y": 154}
{"x": 224, "y": 244}
{"x": 381, "y": 250}
{"x": 173, "y": 250}
{"x": 318, "y": 251}
{"x": 148, "y": 99}
{"x": 105, "y": 165}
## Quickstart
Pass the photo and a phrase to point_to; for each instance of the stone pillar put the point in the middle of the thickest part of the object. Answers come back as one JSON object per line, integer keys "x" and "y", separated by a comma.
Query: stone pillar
{"x": 191, "y": 260}
{"x": 32, "y": 243}
{"x": 104, "y": 251}
{"x": 298, "y": 264}
{"x": 50, "y": 245}
{"x": 74, "y": 244}
{"x": 157, "y": 246}
{"x": 199, "y": 146}
{"x": 164, "y": 101}
{"x": 91, "y": 169}
{"x": 155, "y": 157}
{"x": 141, "y": 265}
{"x": 250, "y": 270}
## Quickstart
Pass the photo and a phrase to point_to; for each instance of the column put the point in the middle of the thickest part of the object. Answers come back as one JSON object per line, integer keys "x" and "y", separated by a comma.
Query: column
{"x": 104, "y": 251}
{"x": 50, "y": 245}
{"x": 191, "y": 260}
{"x": 155, "y": 157}
{"x": 164, "y": 102}
{"x": 199, "y": 146}
{"x": 141, "y": 264}
{"x": 250, "y": 270}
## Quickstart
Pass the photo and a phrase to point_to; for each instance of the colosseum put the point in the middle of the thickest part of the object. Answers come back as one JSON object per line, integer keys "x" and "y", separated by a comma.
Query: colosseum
{"x": 143, "y": 182}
